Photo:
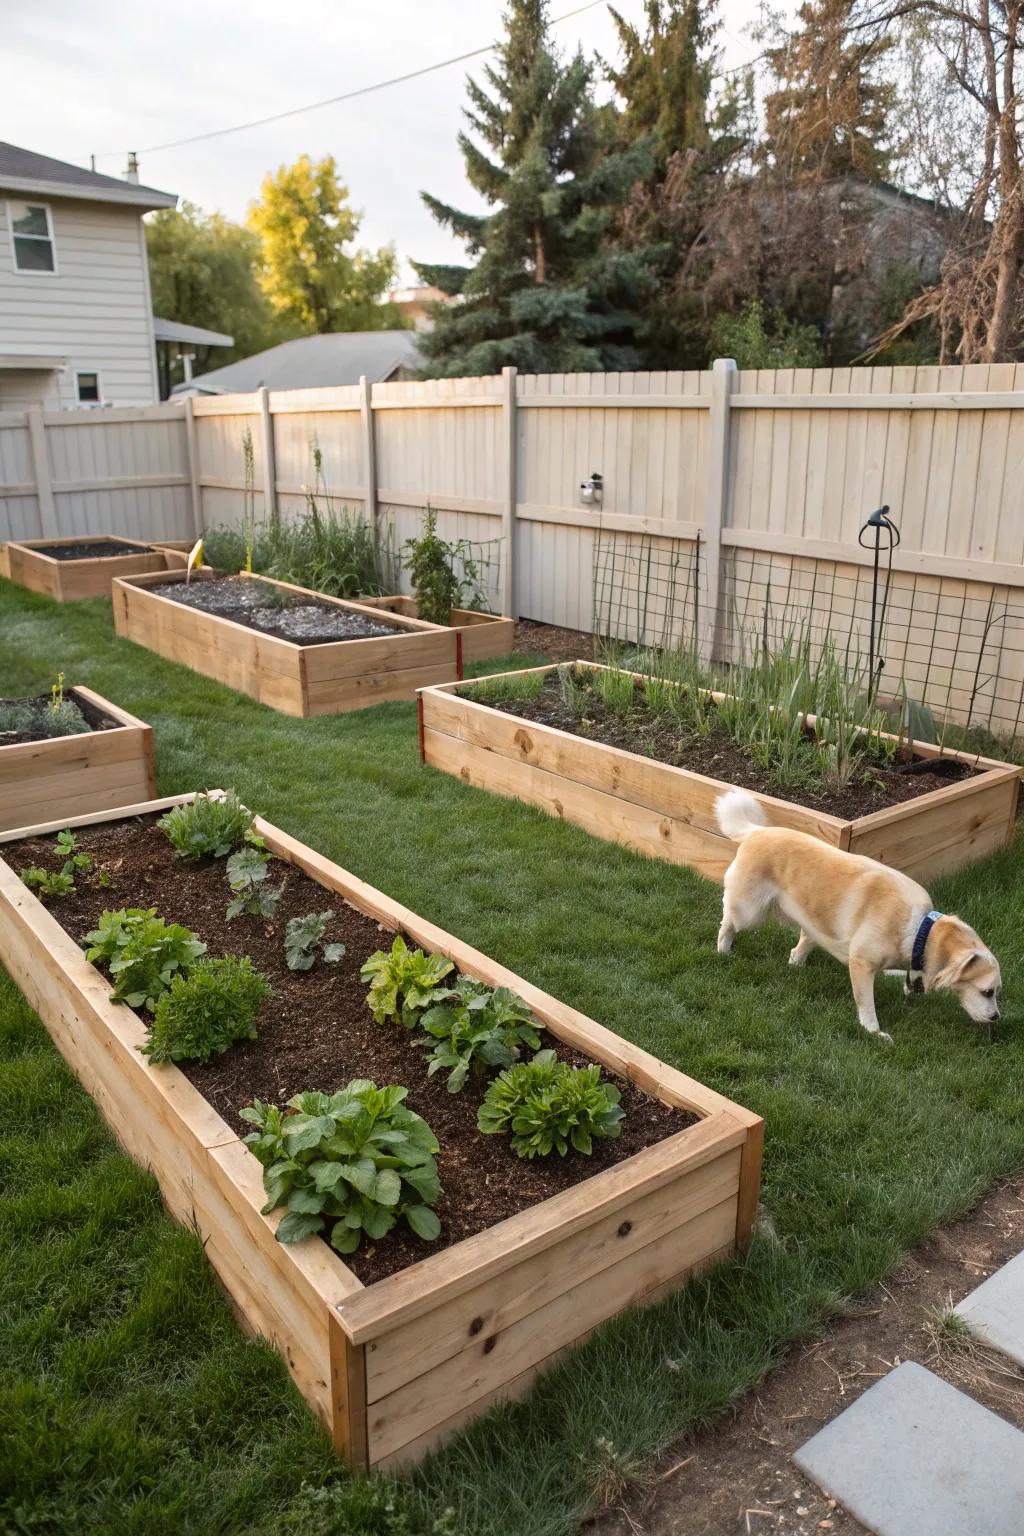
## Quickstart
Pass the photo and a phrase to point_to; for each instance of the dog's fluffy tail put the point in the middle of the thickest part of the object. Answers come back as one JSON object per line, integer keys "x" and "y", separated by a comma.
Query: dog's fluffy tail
{"x": 738, "y": 813}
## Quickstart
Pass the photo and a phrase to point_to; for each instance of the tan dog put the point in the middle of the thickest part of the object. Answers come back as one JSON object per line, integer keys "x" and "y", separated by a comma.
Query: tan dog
{"x": 868, "y": 916}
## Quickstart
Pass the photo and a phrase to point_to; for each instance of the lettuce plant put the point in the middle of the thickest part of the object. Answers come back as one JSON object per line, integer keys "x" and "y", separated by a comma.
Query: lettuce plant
{"x": 142, "y": 953}
{"x": 204, "y": 1012}
{"x": 549, "y": 1106}
{"x": 404, "y": 982}
{"x": 476, "y": 1030}
{"x": 208, "y": 826}
{"x": 346, "y": 1164}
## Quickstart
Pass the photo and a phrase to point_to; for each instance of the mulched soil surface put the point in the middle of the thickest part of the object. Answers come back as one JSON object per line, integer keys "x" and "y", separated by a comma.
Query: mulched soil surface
{"x": 738, "y": 1479}
{"x": 719, "y": 757}
{"x": 95, "y": 718}
{"x": 316, "y": 1032}
{"x": 305, "y": 621}
{"x": 93, "y": 549}
{"x": 553, "y": 642}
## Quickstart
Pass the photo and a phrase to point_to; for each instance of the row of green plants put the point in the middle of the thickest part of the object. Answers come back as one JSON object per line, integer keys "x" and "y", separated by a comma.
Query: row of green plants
{"x": 329, "y": 548}
{"x": 351, "y": 1163}
{"x": 764, "y": 706}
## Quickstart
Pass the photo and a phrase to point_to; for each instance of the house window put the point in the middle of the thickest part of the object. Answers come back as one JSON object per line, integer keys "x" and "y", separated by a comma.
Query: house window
{"x": 88, "y": 388}
{"x": 32, "y": 237}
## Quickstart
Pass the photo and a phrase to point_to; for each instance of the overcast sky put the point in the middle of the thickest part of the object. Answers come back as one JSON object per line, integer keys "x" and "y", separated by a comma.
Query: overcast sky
{"x": 82, "y": 77}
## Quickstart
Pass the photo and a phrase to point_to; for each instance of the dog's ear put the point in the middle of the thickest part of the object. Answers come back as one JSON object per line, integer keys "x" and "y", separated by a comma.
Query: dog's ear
{"x": 956, "y": 971}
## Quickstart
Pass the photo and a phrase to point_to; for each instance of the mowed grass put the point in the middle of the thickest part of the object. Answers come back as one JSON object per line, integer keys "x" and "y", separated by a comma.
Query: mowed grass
{"x": 129, "y": 1401}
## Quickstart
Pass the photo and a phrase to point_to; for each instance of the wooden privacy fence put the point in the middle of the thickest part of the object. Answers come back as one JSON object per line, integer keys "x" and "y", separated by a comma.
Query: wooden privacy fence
{"x": 732, "y": 498}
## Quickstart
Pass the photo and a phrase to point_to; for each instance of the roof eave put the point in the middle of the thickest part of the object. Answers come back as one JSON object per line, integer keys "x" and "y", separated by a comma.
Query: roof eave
{"x": 143, "y": 198}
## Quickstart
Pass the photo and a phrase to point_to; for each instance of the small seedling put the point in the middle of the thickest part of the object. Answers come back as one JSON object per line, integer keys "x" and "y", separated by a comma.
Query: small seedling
{"x": 303, "y": 937}
{"x": 208, "y": 826}
{"x": 50, "y": 882}
{"x": 247, "y": 876}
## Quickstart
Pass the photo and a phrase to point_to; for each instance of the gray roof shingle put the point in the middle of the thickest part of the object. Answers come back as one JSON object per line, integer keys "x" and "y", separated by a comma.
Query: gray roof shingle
{"x": 314, "y": 362}
{"x": 26, "y": 170}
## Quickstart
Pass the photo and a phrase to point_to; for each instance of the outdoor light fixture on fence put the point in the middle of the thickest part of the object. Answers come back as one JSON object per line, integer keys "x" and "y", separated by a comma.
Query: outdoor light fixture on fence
{"x": 876, "y": 524}
{"x": 592, "y": 490}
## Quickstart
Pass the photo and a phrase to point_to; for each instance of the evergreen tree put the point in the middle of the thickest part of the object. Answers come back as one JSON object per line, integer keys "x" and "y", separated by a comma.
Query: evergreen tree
{"x": 664, "y": 90}
{"x": 830, "y": 113}
{"x": 548, "y": 290}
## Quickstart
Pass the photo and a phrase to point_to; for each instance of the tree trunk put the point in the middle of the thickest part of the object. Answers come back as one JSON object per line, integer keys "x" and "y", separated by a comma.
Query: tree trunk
{"x": 539, "y": 258}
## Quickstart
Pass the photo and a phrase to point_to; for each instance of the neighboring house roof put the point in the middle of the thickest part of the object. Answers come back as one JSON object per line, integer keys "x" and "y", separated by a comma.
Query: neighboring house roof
{"x": 313, "y": 362}
{"x": 22, "y": 170}
{"x": 189, "y": 335}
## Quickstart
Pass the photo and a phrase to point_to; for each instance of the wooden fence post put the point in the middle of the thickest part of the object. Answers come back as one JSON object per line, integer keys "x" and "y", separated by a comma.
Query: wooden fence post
{"x": 41, "y": 468}
{"x": 192, "y": 450}
{"x": 369, "y": 451}
{"x": 509, "y": 520}
{"x": 269, "y": 457}
{"x": 716, "y": 507}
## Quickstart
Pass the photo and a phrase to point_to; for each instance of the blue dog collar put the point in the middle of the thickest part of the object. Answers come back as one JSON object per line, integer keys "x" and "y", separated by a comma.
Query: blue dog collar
{"x": 920, "y": 940}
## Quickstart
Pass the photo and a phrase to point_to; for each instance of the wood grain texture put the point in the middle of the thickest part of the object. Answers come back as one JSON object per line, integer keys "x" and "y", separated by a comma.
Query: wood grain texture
{"x": 82, "y": 773}
{"x": 298, "y": 680}
{"x": 393, "y": 1367}
{"x": 668, "y": 813}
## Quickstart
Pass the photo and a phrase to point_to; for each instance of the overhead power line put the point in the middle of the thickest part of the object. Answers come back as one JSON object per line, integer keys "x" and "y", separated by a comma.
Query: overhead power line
{"x": 333, "y": 101}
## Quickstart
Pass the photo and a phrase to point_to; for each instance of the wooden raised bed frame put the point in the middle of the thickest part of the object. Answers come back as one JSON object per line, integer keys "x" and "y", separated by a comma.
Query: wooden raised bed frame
{"x": 89, "y": 772}
{"x": 296, "y": 679}
{"x": 70, "y": 581}
{"x": 669, "y": 813}
{"x": 393, "y": 1367}
{"x": 483, "y": 636}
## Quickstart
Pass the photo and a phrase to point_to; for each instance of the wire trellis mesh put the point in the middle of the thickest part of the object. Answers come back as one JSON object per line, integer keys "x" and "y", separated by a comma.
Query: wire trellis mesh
{"x": 950, "y": 651}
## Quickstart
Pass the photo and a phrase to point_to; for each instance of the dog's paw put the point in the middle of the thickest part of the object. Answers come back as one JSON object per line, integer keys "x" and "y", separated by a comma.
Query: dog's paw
{"x": 796, "y": 958}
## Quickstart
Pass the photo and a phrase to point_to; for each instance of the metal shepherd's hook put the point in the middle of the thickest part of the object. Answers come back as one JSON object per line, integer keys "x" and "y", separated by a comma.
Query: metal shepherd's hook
{"x": 876, "y": 523}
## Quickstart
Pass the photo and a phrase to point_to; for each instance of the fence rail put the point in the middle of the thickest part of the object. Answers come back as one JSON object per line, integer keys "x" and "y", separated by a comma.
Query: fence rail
{"x": 757, "y": 469}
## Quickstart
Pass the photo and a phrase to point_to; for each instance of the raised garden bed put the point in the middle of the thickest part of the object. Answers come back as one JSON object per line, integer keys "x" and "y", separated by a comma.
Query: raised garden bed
{"x": 534, "y": 1261}
{"x": 482, "y": 636}
{"x": 110, "y": 763}
{"x": 339, "y": 656}
{"x": 667, "y": 811}
{"x": 75, "y": 568}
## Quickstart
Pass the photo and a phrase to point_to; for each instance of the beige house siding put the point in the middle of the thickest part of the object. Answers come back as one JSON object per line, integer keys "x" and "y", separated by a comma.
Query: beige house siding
{"x": 94, "y": 310}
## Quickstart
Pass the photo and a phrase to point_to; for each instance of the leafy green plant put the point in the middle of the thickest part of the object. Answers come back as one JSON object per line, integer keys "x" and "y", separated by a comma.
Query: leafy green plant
{"x": 431, "y": 562}
{"x": 403, "y": 982}
{"x": 247, "y": 872}
{"x": 549, "y": 1106}
{"x": 142, "y": 953}
{"x": 476, "y": 1030}
{"x": 353, "y": 1161}
{"x": 59, "y": 882}
{"x": 303, "y": 937}
{"x": 208, "y": 826}
{"x": 204, "y": 1012}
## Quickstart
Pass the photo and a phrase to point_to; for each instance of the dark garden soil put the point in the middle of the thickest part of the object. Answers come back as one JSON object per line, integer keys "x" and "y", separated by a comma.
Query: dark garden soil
{"x": 91, "y": 549}
{"x": 739, "y": 1480}
{"x": 41, "y": 729}
{"x": 552, "y": 641}
{"x": 316, "y": 1032}
{"x": 303, "y": 620}
{"x": 718, "y": 757}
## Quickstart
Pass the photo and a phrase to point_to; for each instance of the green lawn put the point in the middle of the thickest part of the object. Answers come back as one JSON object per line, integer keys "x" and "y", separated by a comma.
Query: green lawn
{"x": 129, "y": 1402}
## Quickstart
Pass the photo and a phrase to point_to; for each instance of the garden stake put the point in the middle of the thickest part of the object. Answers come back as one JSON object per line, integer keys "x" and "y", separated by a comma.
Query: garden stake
{"x": 877, "y": 521}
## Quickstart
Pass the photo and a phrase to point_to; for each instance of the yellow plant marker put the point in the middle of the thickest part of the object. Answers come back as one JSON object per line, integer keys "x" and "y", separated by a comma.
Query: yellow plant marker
{"x": 195, "y": 558}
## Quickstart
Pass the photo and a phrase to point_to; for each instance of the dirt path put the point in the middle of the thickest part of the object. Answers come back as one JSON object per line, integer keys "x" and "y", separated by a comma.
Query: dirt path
{"x": 738, "y": 1480}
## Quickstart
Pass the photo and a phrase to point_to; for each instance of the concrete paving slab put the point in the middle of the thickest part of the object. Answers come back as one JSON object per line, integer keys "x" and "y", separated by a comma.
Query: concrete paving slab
{"x": 995, "y": 1311}
{"x": 915, "y": 1457}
